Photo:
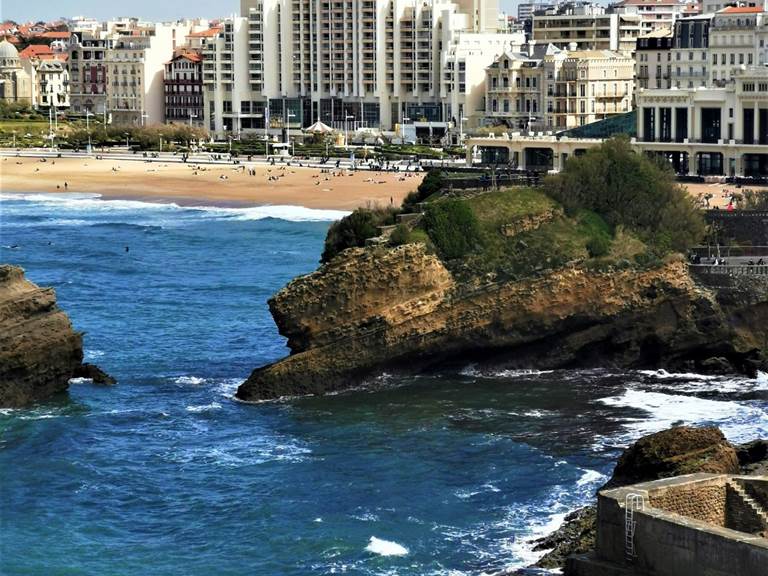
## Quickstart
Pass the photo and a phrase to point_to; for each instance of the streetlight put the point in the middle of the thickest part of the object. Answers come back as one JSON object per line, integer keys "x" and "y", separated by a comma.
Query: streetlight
{"x": 346, "y": 129}
{"x": 293, "y": 144}
{"x": 127, "y": 145}
{"x": 144, "y": 115}
{"x": 88, "y": 128}
{"x": 190, "y": 118}
{"x": 14, "y": 138}
{"x": 461, "y": 129}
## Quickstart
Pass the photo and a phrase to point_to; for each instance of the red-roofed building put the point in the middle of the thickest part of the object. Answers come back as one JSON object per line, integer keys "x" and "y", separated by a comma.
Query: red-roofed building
{"x": 183, "y": 82}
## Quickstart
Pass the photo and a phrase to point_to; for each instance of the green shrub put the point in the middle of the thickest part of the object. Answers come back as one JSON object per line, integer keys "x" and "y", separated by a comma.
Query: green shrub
{"x": 400, "y": 235}
{"x": 598, "y": 246}
{"x": 631, "y": 190}
{"x": 453, "y": 228}
{"x": 353, "y": 230}
{"x": 432, "y": 183}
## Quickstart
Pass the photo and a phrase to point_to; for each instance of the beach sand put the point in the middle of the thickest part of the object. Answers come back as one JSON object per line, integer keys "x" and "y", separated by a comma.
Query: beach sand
{"x": 181, "y": 183}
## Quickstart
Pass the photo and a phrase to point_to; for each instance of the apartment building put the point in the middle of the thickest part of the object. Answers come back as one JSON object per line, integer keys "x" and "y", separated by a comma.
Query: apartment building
{"x": 737, "y": 38}
{"x": 653, "y": 60}
{"x": 690, "y": 52}
{"x": 350, "y": 63}
{"x": 711, "y": 6}
{"x": 588, "y": 25}
{"x": 183, "y": 82}
{"x": 87, "y": 61}
{"x": 135, "y": 71}
{"x": 712, "y": 130}
{"x": 657, "y": 14}
{"x": 559, "y": 89}
{"x": 49, "y": 82}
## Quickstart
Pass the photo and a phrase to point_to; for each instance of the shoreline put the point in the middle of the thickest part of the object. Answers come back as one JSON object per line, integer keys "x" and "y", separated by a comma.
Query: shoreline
{"x": 219, "y": 185}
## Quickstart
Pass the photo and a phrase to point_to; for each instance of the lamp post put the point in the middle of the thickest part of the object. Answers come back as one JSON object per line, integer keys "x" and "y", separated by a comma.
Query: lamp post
{"x": 347, "y": 117}
{"x": 461, "y": 129}
{"x": 14, "y": 138}
{"x": 127, "y": 145}
{"x": 144, "y": 116}
{"x": 292, "y": 144}
{"x": 191, "y": 115}
{"x": 88, "y": 128}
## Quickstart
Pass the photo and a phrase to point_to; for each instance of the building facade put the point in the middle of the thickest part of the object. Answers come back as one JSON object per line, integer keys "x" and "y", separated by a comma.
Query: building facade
{"x": 709, "y": 131}
{"x": 49, "y": 81}
{"x": 558, "y": 90}
{"x": 657, "y": 14}
{"x": 586, "y": 27}
{"x": 653, "y": 60}
{"x": 350, "y": 63}
{"x": 15, "y": 82}
{"x": 183, "y": 82}
{"x": 87, "y": 61}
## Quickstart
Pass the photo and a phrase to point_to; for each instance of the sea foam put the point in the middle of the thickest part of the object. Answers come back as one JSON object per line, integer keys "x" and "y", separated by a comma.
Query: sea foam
{"x": 385, "y": 547}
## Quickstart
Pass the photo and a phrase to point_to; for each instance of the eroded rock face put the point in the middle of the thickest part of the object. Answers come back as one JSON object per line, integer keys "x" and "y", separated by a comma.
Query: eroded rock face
{"x": 378, "y": 308}
{"x": 674, "y": 452}
{"x": 39, "y": 350}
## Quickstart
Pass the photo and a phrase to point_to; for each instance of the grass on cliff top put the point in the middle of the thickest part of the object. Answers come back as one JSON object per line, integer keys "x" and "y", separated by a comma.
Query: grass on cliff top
{"x": 583, "y": 236}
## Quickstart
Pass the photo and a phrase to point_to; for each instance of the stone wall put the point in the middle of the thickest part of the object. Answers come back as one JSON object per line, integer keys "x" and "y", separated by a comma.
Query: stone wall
{"x": 746, "y": 227}
{"x": 706, "y": 503}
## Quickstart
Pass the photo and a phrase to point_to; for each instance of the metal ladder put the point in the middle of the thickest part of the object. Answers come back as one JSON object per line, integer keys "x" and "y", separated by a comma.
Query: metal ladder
{"x": 632, "y": 503}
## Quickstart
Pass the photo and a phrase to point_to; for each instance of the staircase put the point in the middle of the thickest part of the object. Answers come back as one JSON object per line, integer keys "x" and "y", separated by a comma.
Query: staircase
{"x": 759, "y": 515}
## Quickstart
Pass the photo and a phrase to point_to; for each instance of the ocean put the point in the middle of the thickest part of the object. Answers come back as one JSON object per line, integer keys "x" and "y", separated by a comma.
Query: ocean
{"x": 166, "y": 474}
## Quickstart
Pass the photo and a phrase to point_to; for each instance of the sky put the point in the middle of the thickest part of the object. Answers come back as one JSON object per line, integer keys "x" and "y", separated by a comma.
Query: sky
{"x": 34, "y": 10}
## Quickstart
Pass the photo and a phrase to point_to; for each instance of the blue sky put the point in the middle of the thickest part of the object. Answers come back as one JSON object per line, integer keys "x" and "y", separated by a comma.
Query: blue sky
{"x": 24, "y": 10}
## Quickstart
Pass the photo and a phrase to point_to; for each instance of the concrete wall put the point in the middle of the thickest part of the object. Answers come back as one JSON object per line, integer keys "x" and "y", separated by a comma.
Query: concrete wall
{"x": 668, "y": 544}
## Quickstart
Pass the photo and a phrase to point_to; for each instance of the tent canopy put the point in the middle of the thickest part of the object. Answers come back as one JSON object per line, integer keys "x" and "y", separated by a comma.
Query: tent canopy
{"x": 319, "y": 128}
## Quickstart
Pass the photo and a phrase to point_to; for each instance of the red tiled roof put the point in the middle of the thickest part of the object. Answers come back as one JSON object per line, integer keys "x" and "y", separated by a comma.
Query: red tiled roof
{"x": 741, "y": 10}
{"x": 36, "y": 51}
{"x": 205, "y": 33}
{"x": 56, "y": 35}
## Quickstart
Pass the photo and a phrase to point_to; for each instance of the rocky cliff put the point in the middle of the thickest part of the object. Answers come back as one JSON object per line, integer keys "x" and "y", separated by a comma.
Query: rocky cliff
{"x": 39, "y": 350}
{"x": 400, "y": 309}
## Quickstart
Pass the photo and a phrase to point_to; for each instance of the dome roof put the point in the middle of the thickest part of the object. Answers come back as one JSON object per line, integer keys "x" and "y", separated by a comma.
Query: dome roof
{"x": 8, "y": 50}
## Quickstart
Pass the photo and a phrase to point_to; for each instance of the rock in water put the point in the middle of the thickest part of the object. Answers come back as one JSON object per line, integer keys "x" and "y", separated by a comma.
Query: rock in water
{"x": 674, "y": 452}
{"x": 39, "y": 350}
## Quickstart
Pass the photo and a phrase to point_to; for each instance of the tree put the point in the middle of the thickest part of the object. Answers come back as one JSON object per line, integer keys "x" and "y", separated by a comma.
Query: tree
{"x": 632, "y": 190}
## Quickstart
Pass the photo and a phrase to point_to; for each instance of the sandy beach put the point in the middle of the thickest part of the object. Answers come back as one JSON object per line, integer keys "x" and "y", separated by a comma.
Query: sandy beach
{"x": 208, "y": 184}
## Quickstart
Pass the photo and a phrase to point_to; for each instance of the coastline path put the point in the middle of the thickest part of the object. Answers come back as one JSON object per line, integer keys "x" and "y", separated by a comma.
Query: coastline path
{"x": 202, "y": 180}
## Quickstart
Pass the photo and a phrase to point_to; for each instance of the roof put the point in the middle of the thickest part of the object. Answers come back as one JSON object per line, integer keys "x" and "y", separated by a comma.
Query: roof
{"x": 191, "y": 56}
{"x": 641, "y": 2}
{"x": 741, "y": 10}
{"x": 56, "y": 35}
{"x": 205, "y": 33}
{"x": 8, "y": 50}
{"x": 36, "y": 51}
{"x": 658, "y": 33}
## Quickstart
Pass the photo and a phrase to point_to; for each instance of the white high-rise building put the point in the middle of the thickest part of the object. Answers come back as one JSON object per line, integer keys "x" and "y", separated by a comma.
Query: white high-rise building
{"x": 350, "y": 63}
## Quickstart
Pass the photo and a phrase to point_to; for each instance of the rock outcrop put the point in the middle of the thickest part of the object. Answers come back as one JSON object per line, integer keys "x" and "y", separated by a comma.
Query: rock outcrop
{"x": 39, "y": 350}
{"x": 400, "y": 309}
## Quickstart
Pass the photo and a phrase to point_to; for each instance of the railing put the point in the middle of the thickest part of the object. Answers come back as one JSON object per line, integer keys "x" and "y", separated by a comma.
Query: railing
{"x": 727, "y": 270}
{"x": 731, "y": 251}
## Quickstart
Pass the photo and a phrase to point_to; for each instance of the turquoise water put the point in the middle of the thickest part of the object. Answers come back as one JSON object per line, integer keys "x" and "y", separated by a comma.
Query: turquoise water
{"x": 166, "y": 474}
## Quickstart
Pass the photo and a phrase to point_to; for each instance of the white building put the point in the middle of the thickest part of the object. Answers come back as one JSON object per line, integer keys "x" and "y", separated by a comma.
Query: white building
{"x": 135, "y": 70}
{"x": 50, "y": 82}
{"x": 709, "y": 131}
{"x": 653, "y": 59}
{"x": 657, "y": 14}
{"x": 349, "y": 63}
{"x": 589, "y": 26}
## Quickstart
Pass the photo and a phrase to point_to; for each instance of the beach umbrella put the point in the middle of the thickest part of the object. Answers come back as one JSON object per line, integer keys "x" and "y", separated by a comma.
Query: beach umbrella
{"x": 319, "y": 128}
